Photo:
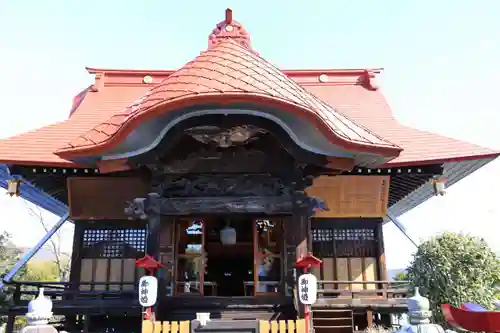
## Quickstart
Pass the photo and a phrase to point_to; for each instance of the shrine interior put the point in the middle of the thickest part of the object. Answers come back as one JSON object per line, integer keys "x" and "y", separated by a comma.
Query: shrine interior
{"x": 229, "y": 267}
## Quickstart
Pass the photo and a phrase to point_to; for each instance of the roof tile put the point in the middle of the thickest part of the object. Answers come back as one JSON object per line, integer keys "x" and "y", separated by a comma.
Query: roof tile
{"x": 228, "y": 69}
{"x": 370, "y": 109}
{"x": 37, "y": 147}
{"x": 366, "y": 107}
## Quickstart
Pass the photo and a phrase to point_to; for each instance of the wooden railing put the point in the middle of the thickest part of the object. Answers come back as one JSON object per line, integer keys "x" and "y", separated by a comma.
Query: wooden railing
{"x": 264, "y": 326}
{"x": 149, "y": 326}
{"x": 282, "y": 326}
{"x": 184, "y": 287}
{"x": 70, "y": 291}
{"x": 354, "y": 289}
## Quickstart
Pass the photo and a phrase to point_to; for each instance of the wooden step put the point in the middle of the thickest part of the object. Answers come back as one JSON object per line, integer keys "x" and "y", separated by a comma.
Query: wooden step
{"x": 332, "y": 320}
{"x": 224, "y": 314}
{"x": 227, "y": 311}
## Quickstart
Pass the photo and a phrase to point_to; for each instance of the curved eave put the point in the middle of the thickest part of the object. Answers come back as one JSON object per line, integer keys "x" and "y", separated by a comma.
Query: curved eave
{"x": 453, "y": 172}
{"x": 122, "y": 125}
{"x": 33, "y": 194}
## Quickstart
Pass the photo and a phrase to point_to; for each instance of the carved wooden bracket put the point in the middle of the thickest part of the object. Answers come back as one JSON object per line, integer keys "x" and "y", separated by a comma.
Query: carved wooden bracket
{"x": 141, "y": 208}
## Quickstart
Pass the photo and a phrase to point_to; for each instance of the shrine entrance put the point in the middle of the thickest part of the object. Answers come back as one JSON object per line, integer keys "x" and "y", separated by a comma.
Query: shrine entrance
{"x": 229, "y": 256}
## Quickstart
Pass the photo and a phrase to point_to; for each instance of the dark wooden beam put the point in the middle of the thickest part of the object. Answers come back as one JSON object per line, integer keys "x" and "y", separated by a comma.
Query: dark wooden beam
{"x": 142, "y": 207}
{"x": 429, "y": 170}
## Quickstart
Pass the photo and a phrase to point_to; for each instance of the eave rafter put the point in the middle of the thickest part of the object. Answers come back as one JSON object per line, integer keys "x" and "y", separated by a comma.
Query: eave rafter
{"x": 404, "y": 180}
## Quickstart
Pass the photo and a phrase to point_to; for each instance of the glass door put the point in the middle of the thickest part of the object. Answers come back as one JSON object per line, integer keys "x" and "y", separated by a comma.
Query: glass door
{"x": 268, "y": 244}
{"x": 190, "y": 270}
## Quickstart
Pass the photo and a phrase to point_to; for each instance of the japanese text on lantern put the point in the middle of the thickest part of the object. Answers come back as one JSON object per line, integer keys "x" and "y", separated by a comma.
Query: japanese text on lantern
{"x": 308, "y": 289}
{"x": 148, "y": 290}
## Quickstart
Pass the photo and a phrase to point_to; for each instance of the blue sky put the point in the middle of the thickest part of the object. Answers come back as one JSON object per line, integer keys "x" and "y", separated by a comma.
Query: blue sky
{"x": 440, "y": 60}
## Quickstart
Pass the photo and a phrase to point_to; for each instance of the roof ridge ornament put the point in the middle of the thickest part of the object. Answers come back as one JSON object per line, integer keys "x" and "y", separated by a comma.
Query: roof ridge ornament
{"x": 230, "y": 30}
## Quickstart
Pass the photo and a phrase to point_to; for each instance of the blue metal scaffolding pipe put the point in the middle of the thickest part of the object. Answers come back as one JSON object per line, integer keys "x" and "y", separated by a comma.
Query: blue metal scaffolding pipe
{"x": 401, "y": 228}
{"x": 25, "y": 258}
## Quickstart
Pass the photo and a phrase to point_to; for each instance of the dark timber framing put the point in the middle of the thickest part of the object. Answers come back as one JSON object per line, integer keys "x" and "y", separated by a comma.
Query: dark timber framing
{"x": 266, "y": 178}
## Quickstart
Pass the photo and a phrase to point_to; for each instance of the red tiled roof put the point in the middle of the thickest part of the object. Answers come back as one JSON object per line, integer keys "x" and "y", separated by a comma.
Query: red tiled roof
{"x": 370, "y": 109}
{"x": 226, "y": 73}
{"x": 343, "y": 92}
{"x": 342, "y": 107}
{"x": 37, "y": 147}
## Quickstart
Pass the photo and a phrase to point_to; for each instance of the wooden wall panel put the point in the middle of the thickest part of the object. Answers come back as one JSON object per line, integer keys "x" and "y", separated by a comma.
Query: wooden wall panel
{"x": 352, "y": 196}
{"x": 130, "y": 273}
{"x": 101, "y": 273}
{"x": 115, "y": 273}
{"x": 342, "y": 268}
{"x": 348, "y": 269}
{"x": 109, "y": 273}
{"x": 92, "y": 198}
{"x": 356, "y": 272}
{"x": 370, "y": 272}
{"x": 86, "y": 273}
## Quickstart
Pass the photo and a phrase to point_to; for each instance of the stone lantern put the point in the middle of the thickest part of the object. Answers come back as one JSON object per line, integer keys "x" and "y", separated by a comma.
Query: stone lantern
{"x": 419, "y": 315}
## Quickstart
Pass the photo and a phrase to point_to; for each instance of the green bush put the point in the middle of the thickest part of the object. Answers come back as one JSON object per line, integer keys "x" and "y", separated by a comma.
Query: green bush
{"x": 455, "y": 268}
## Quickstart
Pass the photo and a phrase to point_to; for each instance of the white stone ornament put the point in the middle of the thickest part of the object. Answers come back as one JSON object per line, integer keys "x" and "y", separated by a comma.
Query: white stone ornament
{"x": 307, "y": 287}
{"x": 148, "y": 291}
{"x": 203, "y": 318}
{"x": 39, "y": 309}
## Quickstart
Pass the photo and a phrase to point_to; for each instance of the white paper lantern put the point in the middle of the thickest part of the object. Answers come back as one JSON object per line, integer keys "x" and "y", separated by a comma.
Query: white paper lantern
{"x": 308, "y": 289}
{"x": 148, "y": 291}
{"x": 228, "y": 236}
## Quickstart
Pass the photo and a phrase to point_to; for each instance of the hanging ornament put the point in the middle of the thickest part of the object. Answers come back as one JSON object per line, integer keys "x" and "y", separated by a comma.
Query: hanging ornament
{"x": 228, "y": 235}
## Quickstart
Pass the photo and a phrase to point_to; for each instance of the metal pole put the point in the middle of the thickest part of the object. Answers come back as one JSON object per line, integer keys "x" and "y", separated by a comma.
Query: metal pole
{"x": 401, "y": 228}
{"x": 25, "y": 258}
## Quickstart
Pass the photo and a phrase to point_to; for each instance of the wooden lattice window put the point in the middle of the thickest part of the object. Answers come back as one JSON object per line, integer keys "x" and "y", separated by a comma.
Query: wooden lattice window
{"x": 114, "y": 243}
{"x": 348, "y": 242}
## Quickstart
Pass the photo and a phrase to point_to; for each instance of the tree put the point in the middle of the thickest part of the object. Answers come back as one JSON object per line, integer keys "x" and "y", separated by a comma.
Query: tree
{"x": 455, "y": 268}
{"x": 61, "y": 259}
{"x": 9, "y": 255}
{"x": 43, "y": 271}
{"x": 401, "y": 276}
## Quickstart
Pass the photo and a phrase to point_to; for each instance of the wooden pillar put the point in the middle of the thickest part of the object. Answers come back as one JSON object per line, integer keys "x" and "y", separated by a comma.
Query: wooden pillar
{"x": 76, "y": 261}
{"x": 153, "y": 224}
{"x": 382, "y": 267}
{"x": 298, "y": 241}
{"x": 148, "y": 209}
{"x": 369, "y": 318}
{"x": 153, "y": 235}
{"x": 9, "y": 328}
